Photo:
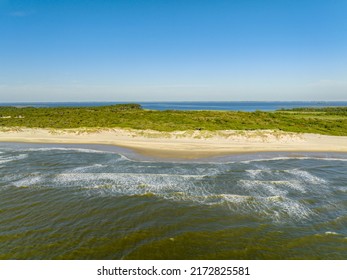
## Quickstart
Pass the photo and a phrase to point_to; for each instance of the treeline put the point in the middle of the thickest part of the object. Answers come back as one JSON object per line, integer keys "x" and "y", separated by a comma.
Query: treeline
{"x": 326, "y": 110}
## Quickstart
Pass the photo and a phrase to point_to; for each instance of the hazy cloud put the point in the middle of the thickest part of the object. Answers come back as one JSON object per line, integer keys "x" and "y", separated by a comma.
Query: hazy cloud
{"x": 328, "y": 83}
{"x": 177, "y": 86}
{"x": 79, "y": 91}
{"x": 326, "y": 90}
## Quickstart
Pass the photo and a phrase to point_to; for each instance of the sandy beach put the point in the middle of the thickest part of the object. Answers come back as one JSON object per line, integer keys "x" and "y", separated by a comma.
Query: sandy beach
{"x": 183, "y": 144}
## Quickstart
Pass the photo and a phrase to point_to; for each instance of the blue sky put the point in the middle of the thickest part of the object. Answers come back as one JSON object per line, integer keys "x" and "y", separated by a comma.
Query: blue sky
{"x": 128, "y": 50}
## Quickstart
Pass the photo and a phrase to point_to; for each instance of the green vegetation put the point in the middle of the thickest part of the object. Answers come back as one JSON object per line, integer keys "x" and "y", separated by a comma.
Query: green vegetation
{"x": 331, "y": 121}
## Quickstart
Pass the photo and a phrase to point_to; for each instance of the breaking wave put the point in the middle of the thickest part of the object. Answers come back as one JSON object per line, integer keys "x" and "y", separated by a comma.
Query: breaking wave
{"x": 4, "y": 159}
{"x": 271, "y": 188}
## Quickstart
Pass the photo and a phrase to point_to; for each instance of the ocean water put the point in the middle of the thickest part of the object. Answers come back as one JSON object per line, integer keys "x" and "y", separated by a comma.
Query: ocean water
{"x": 247, "y": 106}
{"x": 90, "y": 202}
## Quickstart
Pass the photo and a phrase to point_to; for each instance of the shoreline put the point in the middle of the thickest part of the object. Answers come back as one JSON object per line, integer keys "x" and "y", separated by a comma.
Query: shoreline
{"x": 182, "y": 144}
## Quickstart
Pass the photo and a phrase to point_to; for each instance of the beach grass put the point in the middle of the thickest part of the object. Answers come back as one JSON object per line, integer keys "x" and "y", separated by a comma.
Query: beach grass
{"x": 328, "y": 121}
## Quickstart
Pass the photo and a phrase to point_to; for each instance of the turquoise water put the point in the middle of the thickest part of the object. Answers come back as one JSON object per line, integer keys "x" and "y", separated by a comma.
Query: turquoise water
{"x": 88, "y": 202}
